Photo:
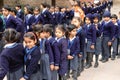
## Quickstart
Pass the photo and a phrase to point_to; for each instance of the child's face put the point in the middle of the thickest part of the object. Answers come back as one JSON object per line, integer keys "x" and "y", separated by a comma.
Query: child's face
{"x": 75, "y": 22}
{"x": 12, "y": 13}
{"x": 59, "y": 33}
{"x": 87, "y": 21}
{"x": 25, "y": 10}
{"x": 5, "y": 12}
{"x": 95, "y": 20}
{"x": 42, "y": 35}
{"x": 73, "y": 32}
{"x": 106, "y": 18}
{"x": 114, "y": 20}
{"x": 36, "y": 12}
{"x": 17, "y": 8}
{"x": 29, "y": 43}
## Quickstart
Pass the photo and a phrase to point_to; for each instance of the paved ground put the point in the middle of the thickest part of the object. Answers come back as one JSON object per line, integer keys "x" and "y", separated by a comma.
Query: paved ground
{"x": 105, "y": 71}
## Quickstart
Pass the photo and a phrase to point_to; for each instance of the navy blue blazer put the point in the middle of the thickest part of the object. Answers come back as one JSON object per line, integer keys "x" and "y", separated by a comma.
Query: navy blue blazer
{"x": 117, "y": 30}
{"x": 74, "y": 46}
{"x": 32, "y": 63}
{"x": 108, "y": 29}
{"x": 11, "y": 59}
{"x": 45, "y": 17}
{"x": 11, "y": 22}
{"x": 29, "y": 22}
{"x": 62, "y": 44}
{"x": 63, "y": 18}
{"x": 20, "y": 14}
{"x": 81, "y": 34}
{"x": 99, "y": 30}
{"x": 90, "y": 33}
{"x": 1, "y": 25}
{"x": 57, "y": 17}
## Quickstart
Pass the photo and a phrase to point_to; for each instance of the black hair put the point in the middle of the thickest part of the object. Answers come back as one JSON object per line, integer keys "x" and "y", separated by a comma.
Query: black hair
{"x": 32, "y": 36}
{"x": 44, "y": 5}
{"x": 14, "y": 10}
{"x": 69, "y": 29}
{"x": 61, "y": 27}
{"x": 37, "y": 8}
{"x": 80, "y": 20}
{"x": 11, "y": 35}
{"x": 114, "y": 16}
{"x": 18, "y": 5}
{"x": 48, "y": 28}
{"x": 29, "y": 9}
{"x": 7, "y": 7}
{"x": 37, "y": 28}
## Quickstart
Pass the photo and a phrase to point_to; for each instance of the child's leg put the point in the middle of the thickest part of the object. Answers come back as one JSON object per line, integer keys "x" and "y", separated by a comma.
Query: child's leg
{"x": 114, "y": 45}
{"x": 53, "y": 75}
{"x": 96, "y": 61}
{"x": 79, "y": 66}
{"x": 89, "y": 55}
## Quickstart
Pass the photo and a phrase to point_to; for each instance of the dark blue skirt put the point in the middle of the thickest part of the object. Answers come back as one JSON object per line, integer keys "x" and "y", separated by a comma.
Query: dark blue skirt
{"x": 98, "y": 46}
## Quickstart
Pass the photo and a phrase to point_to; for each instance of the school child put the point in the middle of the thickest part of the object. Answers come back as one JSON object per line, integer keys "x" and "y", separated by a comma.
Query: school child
{"x": 32, "y": 57}
{"x": 45, "y": 60}
{"x": 108, "y": 34}
{"x": 62, "y": 44}
{"x": 37, "y": 15}
{"x": 20, "y": 13}
{"x": 57, "y": 15}
{"x": 116, "y": 36}
{"x": 96, "y": 18}
{"x": 11, "y": 22}
{"x": 90, "y": 39}
{"x": 29, "y": 18}
{"x": 81, "y": 34}
{"x": 45, "y": 14}
{"x": 20, "y": 29}
{"x": 52, "y": 50}
{"x": 73, "y": 50}
{"x": 10, "y": 63}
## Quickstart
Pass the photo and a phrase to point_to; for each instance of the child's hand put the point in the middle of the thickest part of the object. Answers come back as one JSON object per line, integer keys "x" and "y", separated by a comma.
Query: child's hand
{"x": 52, "y": 67}
{"x": 22, "y": 78}
{"x": 109, "y": 43}
{"x": 70, "y": 57}
{"x": 56, "y": 67}
{"x": 80, "y": 55}
{"x": 92, "y": 47}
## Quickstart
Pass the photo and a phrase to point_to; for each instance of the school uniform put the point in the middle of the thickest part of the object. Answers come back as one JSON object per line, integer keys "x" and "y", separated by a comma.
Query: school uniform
{"x": 115, "y": 42}
{"x": 10, "y": 62}
{"x": 118, "y": 38}
{"x": 62, "y": 44}
{"x": 108, "y": 34}
{"x": 81, "y": 34}
{"x": 1, "y": 25}
{"x": 57, "y": 17}
{"x": 11, "y": 22}
{"x": 45, "y": 60}
{"x": 90, "y": 40}
{"x": 20, "y": 14}
{"x": 31, "y": 60}
{"x": 45, "y": 17}
{"x": 37, "y": 19}
{"x": 73, "y": 50}
{"x": 29, "y": 21}
{"x": 54, "y": 59}
{"x": 63, "y": 18}
{"x": 52, "y": 19}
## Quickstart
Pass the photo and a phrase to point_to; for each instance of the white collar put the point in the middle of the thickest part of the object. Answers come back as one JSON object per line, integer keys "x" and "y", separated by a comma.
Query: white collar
{"x": 44, "y": 10}
{"x": 72, "y": 38}
{"x": 9, "y": 45}
{"x": 8, "y": 16}
{"x": 49, "y": 38}
{"x": 19, "y": 10}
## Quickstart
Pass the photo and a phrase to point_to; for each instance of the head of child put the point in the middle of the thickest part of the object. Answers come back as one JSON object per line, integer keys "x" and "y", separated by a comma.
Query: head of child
{"x": 6, "y": 10}
{"x": 38, "y": 30}
{"x": 43, "y": 6}
{"x": 36, "y": 11}
{"x": 30, "y": 40}
{"x": 18, "y": 7}
{"x": 13, "y": 12}
{"x": 47, "y": 29}
{"x": 106, "y": 16}
{"x": 114, "y": 18}
{"x": 60, "y": 31}
{"x": 88, "y": 19}
{"x": 11, "y": 36}
{"x": 77, "y": 22}
{"x": 57, "y": 9}
{"x": 52, "y": 9}
{"x": 71, "y": 31}
{"x": 95, "y": 18}
{"x": 28, "y": 10}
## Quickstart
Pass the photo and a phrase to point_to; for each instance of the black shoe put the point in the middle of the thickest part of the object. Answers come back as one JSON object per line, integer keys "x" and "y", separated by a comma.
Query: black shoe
{"x": 96, "y": 65}
{"x": 78, "y": 74}
{"x": 112, "y": 58}
{"x": 118, "y": 56}
{"x": 88, "y": 66}
{"x": 101, "y": 59}
{"x": 105, "y": 60}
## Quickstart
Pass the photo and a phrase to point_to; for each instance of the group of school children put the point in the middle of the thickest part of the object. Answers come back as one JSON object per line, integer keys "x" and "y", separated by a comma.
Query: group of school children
{"x": 55, "y": 44}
